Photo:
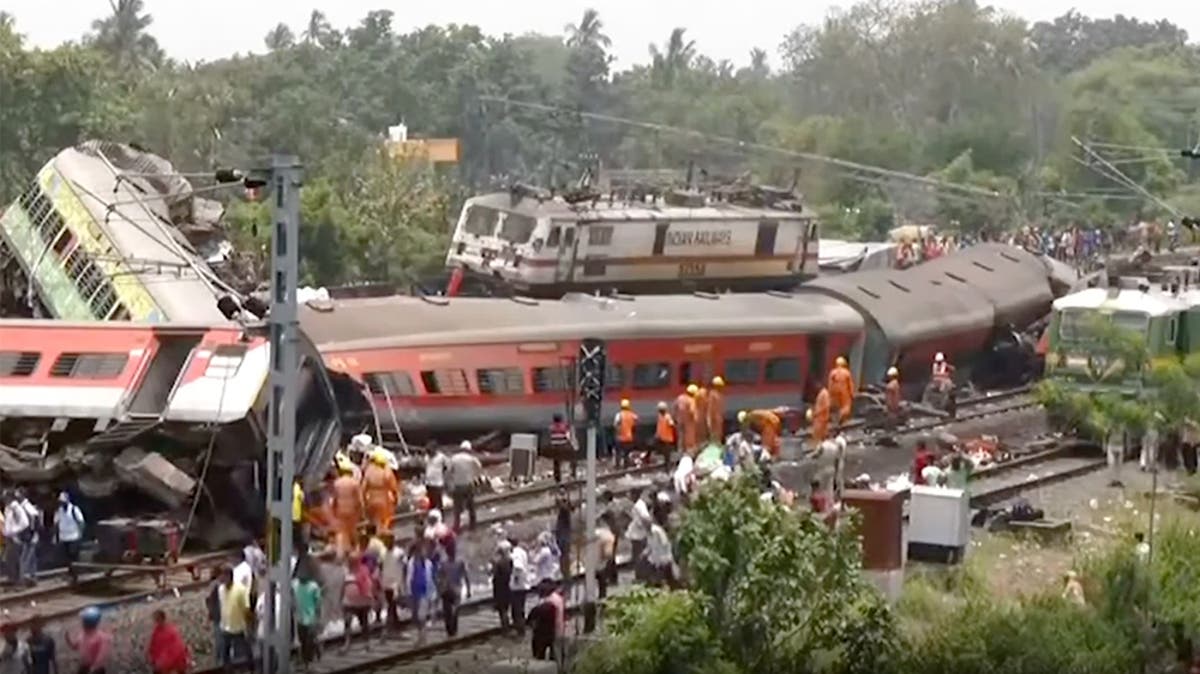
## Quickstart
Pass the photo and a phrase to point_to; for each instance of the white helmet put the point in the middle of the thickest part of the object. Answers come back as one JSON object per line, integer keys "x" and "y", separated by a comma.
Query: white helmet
{"x": 464, "y": 446}
{"x": 939, "y": 358}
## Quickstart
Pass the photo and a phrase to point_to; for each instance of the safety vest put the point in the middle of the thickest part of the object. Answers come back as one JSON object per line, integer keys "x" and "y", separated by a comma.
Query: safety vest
{"x": 560, "y": 436}
{"x": 626, "y": 420}
{"x": 664, "y": 430}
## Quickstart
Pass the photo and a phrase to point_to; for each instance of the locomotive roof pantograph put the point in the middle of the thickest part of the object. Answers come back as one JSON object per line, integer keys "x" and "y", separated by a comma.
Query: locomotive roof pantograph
{"x": 404, "y": 321}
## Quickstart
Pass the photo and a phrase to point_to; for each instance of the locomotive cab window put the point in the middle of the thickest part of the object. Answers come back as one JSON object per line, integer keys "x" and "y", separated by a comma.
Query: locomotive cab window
{"x": 517, "y": 228}
{"x": 451, "y": 382}
{"x": 569, "y": 236}
{"x": 742, "y": 371}
{"x": 500, "y": 380}
{"x": 480, "y": 221}
{"x": 782, "y": 371}
{"x": 651, "y": 375}
{"x": 390, "y": 384}
{"x": 555, "y": 237}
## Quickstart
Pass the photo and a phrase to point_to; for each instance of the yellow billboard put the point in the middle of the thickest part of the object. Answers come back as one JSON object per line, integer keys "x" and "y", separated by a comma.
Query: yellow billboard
{"x": 436, "y": 150}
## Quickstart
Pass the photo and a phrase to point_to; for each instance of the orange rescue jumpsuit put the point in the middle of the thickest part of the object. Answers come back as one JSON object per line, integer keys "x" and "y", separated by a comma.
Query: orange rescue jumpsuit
{"x": 701, "y": 416}
{"x": 820, "y": 420}
{"x": 381, "y": 492}
{"x": 716, "y": 416}
{"x": 347, "y": 510}
{"x": 664, "y": 429}
{"x": 892, "y": 397}
{"x": 841, "y": 390}
{"x": 685, "y": 420}
{"x": 769, "y": 426}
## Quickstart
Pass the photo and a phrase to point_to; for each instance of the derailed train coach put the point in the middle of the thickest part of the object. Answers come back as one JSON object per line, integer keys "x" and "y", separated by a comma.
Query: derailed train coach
{"x": 457, "y": 365}
{"x": 119, "y": 411}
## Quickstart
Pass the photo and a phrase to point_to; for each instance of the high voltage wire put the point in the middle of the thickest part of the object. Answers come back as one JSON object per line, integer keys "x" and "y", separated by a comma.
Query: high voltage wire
{"x": 749, "y": 145}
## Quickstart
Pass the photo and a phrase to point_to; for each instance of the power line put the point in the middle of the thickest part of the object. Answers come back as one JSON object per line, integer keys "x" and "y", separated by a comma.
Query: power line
{"x": 692, "y": 133}
{"x": 1121, "y": 177}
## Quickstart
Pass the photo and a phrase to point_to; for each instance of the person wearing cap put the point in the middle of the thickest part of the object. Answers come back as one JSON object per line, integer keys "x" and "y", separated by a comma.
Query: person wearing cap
{"x": 818, "y": 418}
{"x": 664, "y": 433}
{"x": 701, "y": 398}
{"x": 841, "y": 389}
{"x": 464, "y": 471}
{"x": 769, "y": 427}
{"x": 892, "y": 396}
{"x": 347, "y": 508}
{"x": 624, "y": 425}
{"x": 93, "y": 643}
{"x": 436, "y": 464}
{"x": 716, "y": 410}
{"x": 685, "y": 418}
{"x": 380, "y": 491}
{"x": 68, "y": 531}
{"x": 942, "y": 371}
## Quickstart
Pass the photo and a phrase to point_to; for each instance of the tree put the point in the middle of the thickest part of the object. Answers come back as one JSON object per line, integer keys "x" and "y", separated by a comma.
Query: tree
{"x": 1073, "y": 41}
{"x": 769, "y": 590}
{"x": 675, "y": 59}
{"x": 123, "y": 37}
{"x": 280, "y": 37}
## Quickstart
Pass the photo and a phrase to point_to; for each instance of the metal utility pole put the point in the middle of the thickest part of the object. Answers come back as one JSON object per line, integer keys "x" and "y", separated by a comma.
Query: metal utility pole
{"x": 592, "y": 366}
{"x": 284, "y": 183}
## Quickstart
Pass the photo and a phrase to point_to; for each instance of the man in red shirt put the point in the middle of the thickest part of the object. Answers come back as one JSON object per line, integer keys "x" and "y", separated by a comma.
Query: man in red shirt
{"x": 167, "y": 651}
{"x": 922, "y": 459}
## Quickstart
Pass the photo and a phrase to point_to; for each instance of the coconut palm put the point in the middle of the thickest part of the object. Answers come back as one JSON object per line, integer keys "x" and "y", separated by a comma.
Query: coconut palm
{"x": 123, "y": 36}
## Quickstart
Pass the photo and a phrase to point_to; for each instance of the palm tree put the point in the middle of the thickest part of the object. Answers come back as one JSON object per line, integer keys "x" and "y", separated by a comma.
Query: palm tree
{"x": 280, "y": 37}
{"x": 758, "y": 62}
{"x": 677, "y": 57}
{"x": 318, "y": 27}
{"x": 589, "y": 32}
{"x": 123, "y": 36}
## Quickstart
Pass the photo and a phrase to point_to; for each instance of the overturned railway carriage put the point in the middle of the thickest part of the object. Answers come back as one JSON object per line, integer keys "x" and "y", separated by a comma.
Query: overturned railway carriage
{"x": 119, "y": 409}
{"x": 544, "y": 246}
{"x": 458, "y": 365}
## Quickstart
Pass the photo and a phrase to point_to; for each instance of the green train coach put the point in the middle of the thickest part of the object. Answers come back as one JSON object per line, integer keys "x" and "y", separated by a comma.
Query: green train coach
{"x": 1166, "y": 319}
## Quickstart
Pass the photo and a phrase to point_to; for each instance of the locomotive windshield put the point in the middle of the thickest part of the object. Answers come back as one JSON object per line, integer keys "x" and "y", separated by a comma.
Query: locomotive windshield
{"x": 481, "y": 221}
{"x": 517, "y": 228}
{"x": 1074, "y": 324}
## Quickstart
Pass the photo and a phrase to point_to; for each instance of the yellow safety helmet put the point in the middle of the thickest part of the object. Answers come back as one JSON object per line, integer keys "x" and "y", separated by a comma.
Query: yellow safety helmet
{"x": 380, "y": 456}
{"x": 808, "y": 414}
{"x": 742, "y": 417}
{"x": 718, "y": 382}
{"x": 624, "y": 403}
{"x": 840, "y": 362}
{"x": 662, "y": 406}
{"x": 342, "y": 461}
{"x": 892, "y": 373}
{"x": 692, "y": 389}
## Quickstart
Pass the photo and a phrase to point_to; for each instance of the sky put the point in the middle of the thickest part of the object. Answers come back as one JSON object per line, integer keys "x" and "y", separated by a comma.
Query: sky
{"x": 209, "y": 30}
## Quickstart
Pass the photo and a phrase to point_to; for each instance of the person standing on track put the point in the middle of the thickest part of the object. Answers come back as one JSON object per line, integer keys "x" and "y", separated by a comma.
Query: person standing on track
{"x": 452, "y": 578}
{"x": 519, "y": 584}
{"x": 421, "y": 585}
{"x": 463, "y": 472}
{"x": 68, "y": 531}
{"x": 307, "y": 593}
{"x": 14, "y": 653}
{"x": 17, "y": 534}
{"x": 391, "y": 579}
{"x": 347, "y": 508}
{"x": 358, "y": 598}
{"x": 818, "y": 417}
{"x": 380, "y": 491}
{"x": 436, "y": 465}
{"x": 841, "y": 390}
{"x": 665, "y": 436}
{"x": 701, "y": 398}
{"x": 716, "y": 411}
{"x": 892, "y": 397}
{"x": 43, "y": 656}
{"x": 167, "y": 652}
{"x": 685, "y": 419}
{"x": 234, "y": 605}
{"x": 624, "y": 426}
{"x": 561, "y": 446}
{"x": 93, "y": 643}
{"x": 501, "y": 573}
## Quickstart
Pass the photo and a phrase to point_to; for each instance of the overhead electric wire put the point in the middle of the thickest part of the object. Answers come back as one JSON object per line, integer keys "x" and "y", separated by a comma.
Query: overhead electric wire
{"x": 1122, "y": 178}
{"x": 761, "y": 147}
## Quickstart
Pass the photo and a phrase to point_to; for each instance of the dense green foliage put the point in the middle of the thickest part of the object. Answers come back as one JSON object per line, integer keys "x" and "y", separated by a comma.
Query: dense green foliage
{"x": 942, "y": 88}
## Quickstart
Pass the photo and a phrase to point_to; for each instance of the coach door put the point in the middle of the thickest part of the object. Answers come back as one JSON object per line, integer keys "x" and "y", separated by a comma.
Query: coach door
{"x": 806, "y": 238}
{"x": 764, "y": 245}
{"x": 568, "y": 247}
{"x": 154, "y": 390}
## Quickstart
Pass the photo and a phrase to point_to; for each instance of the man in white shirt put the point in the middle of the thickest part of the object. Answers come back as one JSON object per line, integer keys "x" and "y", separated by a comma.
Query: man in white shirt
{"x": 519, "y": 584}
{"x": 461, "y": 475}
{"x": 436, "y": 465}
{"x": 16, "y": 535}
{"x": 243, "y": 573}
{"x": 637, "y": 532}
{"x": 29, "y": 550}
{"x": 68, "y": 529}
{"x": 392, "y": 579}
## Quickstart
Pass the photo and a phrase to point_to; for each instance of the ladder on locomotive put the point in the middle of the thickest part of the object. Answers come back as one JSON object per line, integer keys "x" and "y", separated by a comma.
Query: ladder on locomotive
{"x": 398, "y": 432}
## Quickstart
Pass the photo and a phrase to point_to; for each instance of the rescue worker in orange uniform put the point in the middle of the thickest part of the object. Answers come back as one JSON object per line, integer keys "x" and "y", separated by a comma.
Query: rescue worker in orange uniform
{"x": 841, "y": 390}
{"x": 623, "y": 426}
{"x": 818, "y": 418}
{"x": 716, "y": 411}
{"x": 664, "y": 433}
{"x": 380, "y": 491}
{"x": 769, "y": 427}
{"x": 891, "y": 396}
{"x": 347, "y": 507}
{"x": 701, "y": 415}
{"x": 685, "y": 419}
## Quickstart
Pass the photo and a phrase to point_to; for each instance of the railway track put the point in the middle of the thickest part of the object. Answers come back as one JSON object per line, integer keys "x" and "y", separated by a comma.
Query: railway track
{"x": 55, "y": 597}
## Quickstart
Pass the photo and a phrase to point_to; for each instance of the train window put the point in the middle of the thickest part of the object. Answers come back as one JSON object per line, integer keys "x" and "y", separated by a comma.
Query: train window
{"x": 614, "y": 377}
{"x": 569, "y": 237}
{"x": 782, "y": 371}
{"x": 450, "y": 382}
{"x": 18, "y": 363}
{"x": 594, "y": 267}
{"x": 693, "y": 372}
{"x": 555, "y": 237}
{"x": 549, "y": 379}
{"x": 501, "y": 380}
{"x": 600, "y": 235}
{"x": 89, "y": 365}
{"x": 651, "y": 375}
{"x": 390, "y": 384}
{"x": 517, "y": 228}
{"x": 480, "y": 221}
{"x": 742, "y": 371}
